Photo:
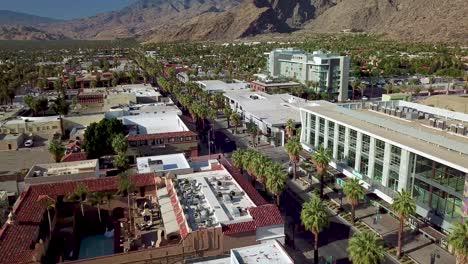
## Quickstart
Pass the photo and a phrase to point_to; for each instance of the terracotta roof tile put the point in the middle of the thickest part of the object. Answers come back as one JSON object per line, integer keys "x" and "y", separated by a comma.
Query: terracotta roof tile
{"x": 75, "y": 156}
{"x": 17, "y": 242}
{"x": 239, "y": 228}
{"x": 266, "y": 215}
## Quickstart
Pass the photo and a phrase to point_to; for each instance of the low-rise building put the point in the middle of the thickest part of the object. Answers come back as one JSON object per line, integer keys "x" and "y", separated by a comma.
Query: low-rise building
{"x": 172, "y": 164}
{"x": 269, "y": 112}
{"x": 271, "y": 252}
{"x": 394, "y": 146}
{"x": 65, "y": 171}
{"x": 143, "y": 109}
{"x": 44, "y": 127}
{"x": 11, "y": 141}
{"x": 159, "y": 134}
{"x": 208, "y": 213}
{"x": 217, "y": 86}
{"x": 274, "y": 86}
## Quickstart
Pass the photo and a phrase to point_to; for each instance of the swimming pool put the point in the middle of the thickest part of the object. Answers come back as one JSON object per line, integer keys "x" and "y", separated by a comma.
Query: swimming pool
{"x": 96, "y": 246}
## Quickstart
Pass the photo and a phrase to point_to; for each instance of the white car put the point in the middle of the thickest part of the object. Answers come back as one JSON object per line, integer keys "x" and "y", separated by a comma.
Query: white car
{"x": 29, "y": 143}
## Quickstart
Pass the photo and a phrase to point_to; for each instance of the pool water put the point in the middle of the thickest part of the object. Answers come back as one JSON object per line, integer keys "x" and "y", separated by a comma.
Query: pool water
{"x": 96, "y": 246}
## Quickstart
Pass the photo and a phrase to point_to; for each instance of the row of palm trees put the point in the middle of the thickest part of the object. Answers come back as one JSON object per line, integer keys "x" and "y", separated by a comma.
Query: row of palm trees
{"x": 262, "y": 169}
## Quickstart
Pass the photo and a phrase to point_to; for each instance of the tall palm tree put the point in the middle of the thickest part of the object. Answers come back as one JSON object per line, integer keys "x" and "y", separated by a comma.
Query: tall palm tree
{"x": 366, "y": 248}
{"x": 321, "y": 158}
{"x": 458, "y": 239}
{"x": 314, "y": 217}
{"x": 49, "y": 203}
{"x": 253, "y": 130}
{"x": 355, "y": 86}
{"x": 236, "y": 120}
{"x": 79, "y": 194}
{"x": 290, "y": 127}
{"x": 119, "y": 143}
{"x": 96, "y": 199}
{"x": 260, "y": 169}
{"x": 125, "y": 187}
{"x": 228, "y": 113}
{"x": 276, "y": 180}
{"x": 56, "y": 150}
{"x": 294, "y": 148}
{"x": 404, "y": 206}
{"x": 109, "y": 196}
{"x": 362, "y": 88}
{"x": 354, "y": 192}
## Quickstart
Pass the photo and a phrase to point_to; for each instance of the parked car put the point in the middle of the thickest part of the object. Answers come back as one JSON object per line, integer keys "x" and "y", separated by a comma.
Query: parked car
{"x": 29, "y": 143}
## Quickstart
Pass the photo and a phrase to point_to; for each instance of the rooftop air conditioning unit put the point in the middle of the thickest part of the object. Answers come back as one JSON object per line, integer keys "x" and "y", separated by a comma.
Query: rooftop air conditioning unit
{"x": 393, "y": 112}
{"x": 399, "y": 113}
{"x": 461, "y": 130}
{"x": 453, "y": 128}
{"x": 432, "y": 122}
{"x": 440, "y": 124}
{"x": 411, "y": 116}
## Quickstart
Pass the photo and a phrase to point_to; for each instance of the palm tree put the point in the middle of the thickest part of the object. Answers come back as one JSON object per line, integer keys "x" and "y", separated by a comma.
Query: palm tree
{"x": 314, "y": 217}
{"x": 260, "y": 167}
{"x": 355, "y": 85}
{"x": 121, "y": 161}
{"x": 49, "y": 203}
{"x": 366, "y": 248}
{"x": 79, "y": 194}
{"x": 253, "y": 130}
{"x": 228, "y": 113}
{"x": 362, "y": 88}
{"x": 404, "y": 206}
{"x": 294, "y": 148}
{"x": 56, "y": 149}
{"x": 237, "y": 159}
{"x": 96, "y": 199}
{"x": 109, "y": 196}
{"x": 458, "y": 239}
{"x": 236, "y": 120}
{"x": 354, "y": 192}
{"x": 321, "y": 158}
{"x": 125, "y": 187}
{"x": 119, "y": 143}
{"x": 276, "y": 180}
{"x": 290, "y": 127}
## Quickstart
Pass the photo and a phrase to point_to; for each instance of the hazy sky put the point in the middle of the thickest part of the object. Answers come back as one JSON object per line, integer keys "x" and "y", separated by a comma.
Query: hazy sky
{"x": 62, "y": 9}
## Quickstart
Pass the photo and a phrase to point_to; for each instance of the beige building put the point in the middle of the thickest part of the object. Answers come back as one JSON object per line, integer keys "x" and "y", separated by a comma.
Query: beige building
{"x": 44, "y": 127}
{"x": 59, "y": 172}
{"x": 11, "y": 141}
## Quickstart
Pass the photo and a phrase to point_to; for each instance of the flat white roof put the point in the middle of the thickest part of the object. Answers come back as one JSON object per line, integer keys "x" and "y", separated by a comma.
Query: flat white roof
{"x": 213, "y": 194}
{"x": 143, "y": 109}
{"x": 156, "y": 123}
{"x": 63, "y": 168}
{"x": 22, "y": 120}
{"x": 274, "y": 109}
{"x": 268, "y": 253}
{"x": 162, "y": 163}
{"x": 217, "y": 85}
{"x": 140, "y": 90}
{"x": 167, "y": 211}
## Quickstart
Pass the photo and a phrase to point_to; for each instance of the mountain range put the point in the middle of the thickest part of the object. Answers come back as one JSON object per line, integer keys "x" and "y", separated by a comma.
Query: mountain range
{"x": 177, "y": 20}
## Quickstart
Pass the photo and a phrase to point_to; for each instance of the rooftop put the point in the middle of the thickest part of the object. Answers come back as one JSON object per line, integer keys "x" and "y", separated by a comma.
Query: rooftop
{"x": 414, "y": 133}
{"x": 217, "y": 85}
{"x": 275, "y": 109}
{"x": 22, "y": 120}
{"x": 155, "y": 123}
{"x": 143, "y": 109}
{"x": 211, "y": 198}
{"x": 162, "y": 163}
{"x": 140, "y": 90}
{"x": 56, "y": 169}
{"x": 268, "y": 253}
{"x": 9, "y": 136}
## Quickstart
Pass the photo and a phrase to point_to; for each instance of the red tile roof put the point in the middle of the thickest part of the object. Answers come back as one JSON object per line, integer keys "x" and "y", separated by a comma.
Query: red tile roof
{"x": 239, "y": 228}
{"x": 75, "y": 156}
{"x": 17, "y": 243}
{"x": 242, "y": 181}
{"x": 29, "y": 210}
{"x": 161, "y": 135}
{"x": 266, "y": 215}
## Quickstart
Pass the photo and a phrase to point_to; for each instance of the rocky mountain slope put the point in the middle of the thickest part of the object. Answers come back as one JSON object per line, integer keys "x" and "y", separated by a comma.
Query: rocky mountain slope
{"x": 14, "y": 18}
{"x": 174, "y": 20}
{"x": 28, "y": 33}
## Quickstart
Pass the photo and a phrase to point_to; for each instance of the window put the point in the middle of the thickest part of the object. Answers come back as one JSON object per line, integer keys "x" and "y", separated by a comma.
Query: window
{"x": 365, "y": 144}
{"x": 395, "y": 157}
{"x": 188, "y": 138}
{"x": 379, "y": 150}
{"x": 352, "y": 139}
{"x": 341, "y": 134}
{"x": 378, "y": 172}
{"x": 393, "y": 180}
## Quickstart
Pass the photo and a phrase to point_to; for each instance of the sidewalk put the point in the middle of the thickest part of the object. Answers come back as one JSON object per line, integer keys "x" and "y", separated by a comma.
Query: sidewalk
{"x": 416, "y": 246}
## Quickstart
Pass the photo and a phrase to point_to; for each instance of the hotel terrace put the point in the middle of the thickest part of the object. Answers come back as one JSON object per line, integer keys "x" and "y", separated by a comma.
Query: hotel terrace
{"x": 201, "y": 214}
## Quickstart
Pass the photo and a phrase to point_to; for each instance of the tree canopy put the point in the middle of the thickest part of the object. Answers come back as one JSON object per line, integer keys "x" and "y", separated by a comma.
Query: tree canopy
{"x": 98, "y": 137}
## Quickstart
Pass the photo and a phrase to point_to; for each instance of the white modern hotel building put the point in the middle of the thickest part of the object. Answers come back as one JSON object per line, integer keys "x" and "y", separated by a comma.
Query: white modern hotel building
{"x": 397, "y": 145}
